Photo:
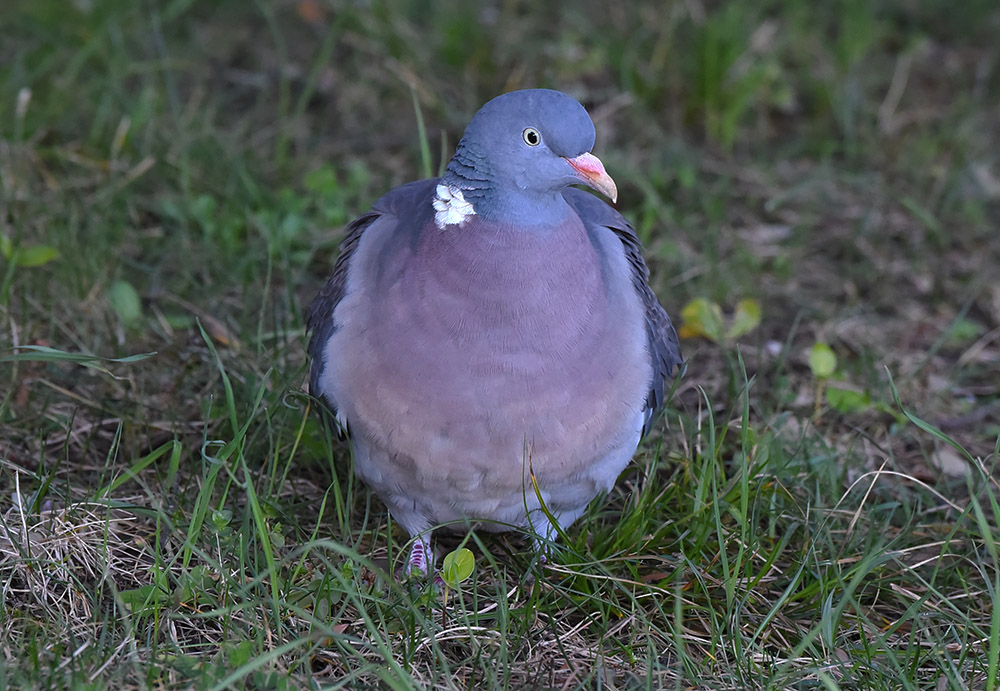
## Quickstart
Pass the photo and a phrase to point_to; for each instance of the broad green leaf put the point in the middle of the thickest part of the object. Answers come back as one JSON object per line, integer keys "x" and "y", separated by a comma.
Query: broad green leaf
{"x": 36, "y": 255}
{"x": 179, "y": 321}
{"x": 457, "y": 566}
{"x": 239, "y": 654}
{"x": 701, "y": 317}
{"x": 745, "y": 319}
{"x": 822, "y": 361}
{"x": 6, "y": 247}
{"x": 125, "y": 301}
{"x": 687, "y": 175}
{"x": 144, "y": 601}
{"x": 221, "y": 518}
{"x": 963, "y": 331}
{"x": 847, "y": 401}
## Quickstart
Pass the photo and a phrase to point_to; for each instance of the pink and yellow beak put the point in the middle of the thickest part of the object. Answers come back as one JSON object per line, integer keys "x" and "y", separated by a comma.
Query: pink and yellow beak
{"x": 592, "y": 173}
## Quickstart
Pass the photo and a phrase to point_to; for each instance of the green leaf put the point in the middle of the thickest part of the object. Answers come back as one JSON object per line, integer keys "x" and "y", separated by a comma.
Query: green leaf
{"x": 847, "y": 401}
{"x": 179, "y": 321}
{"x": 144, "y": 601}
{"x": 37, "y": 255}
{"x": 125, "y": 301}
{"x": 221, "y": 518}
{"x": 702, "y": 317}
{"x": 822, "y": 361}
{"x": 745, "y": 319}
{"x": 687, "y": 175}
{"x": 963, "y": 331}
{"x": 457, "y": 566}
{"x": 322, "y": 181}
{"x": 239, "y": 654}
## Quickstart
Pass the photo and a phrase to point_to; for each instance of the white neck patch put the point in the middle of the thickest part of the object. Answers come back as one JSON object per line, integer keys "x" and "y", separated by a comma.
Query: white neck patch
{"x": 450, "y": 206}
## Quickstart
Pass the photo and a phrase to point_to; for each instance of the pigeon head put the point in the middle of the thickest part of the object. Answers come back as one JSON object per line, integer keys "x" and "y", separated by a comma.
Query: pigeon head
{"x": 520, "y": 151}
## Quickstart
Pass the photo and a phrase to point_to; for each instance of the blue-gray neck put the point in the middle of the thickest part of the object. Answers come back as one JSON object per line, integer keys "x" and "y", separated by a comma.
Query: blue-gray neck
{"x": 501, "y": 202}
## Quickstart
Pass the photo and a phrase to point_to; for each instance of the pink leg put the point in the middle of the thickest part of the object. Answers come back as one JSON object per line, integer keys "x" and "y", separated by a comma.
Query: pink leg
{"x": 421, "y": 556}
{"x": 543, "y": 542}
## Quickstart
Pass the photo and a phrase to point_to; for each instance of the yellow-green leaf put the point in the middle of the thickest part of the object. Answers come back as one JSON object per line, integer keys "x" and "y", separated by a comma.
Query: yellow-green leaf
{"x": 822, "y": 361}
{"x": 702, "y": 317}
{"x": 125, "y": 301}
{"x": 745, "y": 319}
{"x": 145, "y": 600}
{"x": 457, "y": 566}
{"x": 36, "y": 255}
{"x": 848, "y": 401}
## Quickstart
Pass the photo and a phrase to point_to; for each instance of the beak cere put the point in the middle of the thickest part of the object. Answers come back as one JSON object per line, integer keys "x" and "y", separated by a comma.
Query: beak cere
{"x": 592, "y": 173}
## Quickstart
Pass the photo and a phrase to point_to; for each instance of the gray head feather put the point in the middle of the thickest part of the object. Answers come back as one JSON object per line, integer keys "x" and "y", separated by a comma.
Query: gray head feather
{"x": 504, "y": 175}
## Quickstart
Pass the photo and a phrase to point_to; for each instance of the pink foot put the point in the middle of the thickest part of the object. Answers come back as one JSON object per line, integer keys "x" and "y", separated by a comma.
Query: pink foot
{"x": 420, "y": 557}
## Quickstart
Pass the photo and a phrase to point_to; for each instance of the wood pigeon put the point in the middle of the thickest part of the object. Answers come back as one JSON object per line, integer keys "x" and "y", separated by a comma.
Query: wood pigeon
{"x": 488, "y": 339}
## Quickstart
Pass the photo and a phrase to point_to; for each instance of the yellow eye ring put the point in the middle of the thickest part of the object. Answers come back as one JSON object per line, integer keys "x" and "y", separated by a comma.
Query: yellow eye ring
{"x": 531, "y": 136}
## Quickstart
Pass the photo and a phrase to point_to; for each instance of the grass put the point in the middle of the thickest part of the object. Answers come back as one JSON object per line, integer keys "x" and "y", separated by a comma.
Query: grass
{"x": 173, "y": 180}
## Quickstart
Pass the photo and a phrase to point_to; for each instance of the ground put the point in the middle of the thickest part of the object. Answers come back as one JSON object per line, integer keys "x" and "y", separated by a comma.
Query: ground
{"x": 818, "y": 190}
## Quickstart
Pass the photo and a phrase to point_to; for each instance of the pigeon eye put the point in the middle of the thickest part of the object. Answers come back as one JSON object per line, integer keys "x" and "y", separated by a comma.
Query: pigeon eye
{"x": 531, "y": 136}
